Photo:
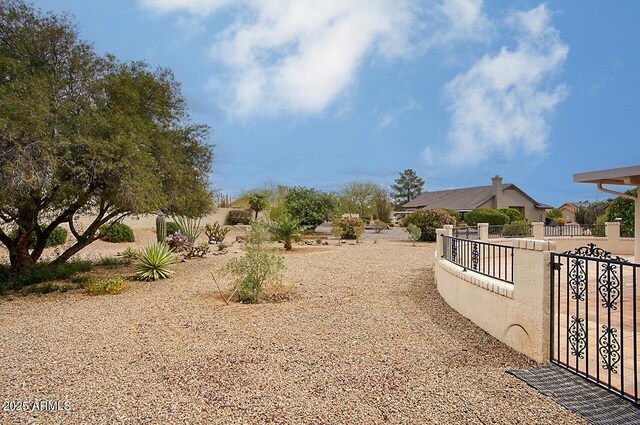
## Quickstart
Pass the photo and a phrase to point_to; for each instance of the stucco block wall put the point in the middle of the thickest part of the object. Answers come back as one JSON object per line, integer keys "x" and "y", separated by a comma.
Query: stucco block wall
{"x": 516, "y": 314}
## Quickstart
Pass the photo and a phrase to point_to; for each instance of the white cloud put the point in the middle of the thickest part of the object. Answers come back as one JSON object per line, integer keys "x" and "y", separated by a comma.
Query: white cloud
{"x": 503, "y": 103}
{"x": 299, "y": 56}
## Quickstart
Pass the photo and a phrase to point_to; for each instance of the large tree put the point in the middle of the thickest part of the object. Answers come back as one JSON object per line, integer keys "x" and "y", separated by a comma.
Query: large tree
{"x": 406, "y": 187}
{"x": 82, "y": 134}
{"x": 310, "y": 207}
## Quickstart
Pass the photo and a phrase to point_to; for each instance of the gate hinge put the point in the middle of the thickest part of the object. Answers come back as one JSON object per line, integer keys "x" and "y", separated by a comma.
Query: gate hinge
{"x": 556, "y": 266}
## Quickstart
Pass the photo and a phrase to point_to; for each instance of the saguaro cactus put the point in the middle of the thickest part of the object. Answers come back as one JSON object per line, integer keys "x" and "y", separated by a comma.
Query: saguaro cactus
{"x": 161, "y": 228}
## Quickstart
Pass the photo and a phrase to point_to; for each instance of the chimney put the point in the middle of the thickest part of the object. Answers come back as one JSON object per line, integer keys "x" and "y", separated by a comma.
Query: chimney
{"x": 496, "y": 191}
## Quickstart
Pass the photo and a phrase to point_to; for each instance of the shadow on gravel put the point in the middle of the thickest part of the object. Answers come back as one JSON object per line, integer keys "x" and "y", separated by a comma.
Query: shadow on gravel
{"x": 467, "y": 342}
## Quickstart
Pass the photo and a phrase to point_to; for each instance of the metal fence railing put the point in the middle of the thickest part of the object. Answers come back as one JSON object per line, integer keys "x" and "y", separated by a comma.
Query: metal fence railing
{"x": 594, "y": 322}
{"x": 489, "y": 259}
{"x": 467, "y": 232}
{"x": 513, "y": 230}
{"x": 575, "y": 230}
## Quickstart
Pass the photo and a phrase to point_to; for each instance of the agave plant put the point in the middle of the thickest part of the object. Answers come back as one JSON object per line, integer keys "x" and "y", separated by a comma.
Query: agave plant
{"x": 287, "y": 231}
{"x": 190, "y": 227}
{"x": 154, "y": 261}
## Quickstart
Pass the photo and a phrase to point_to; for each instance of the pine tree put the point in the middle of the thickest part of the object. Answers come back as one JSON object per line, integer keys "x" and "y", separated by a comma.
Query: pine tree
{"x": 407, "y": 187}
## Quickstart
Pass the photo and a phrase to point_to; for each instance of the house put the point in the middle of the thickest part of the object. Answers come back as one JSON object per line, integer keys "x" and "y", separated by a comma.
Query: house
{"x": 569, "y": 209}
{"x": 494, "y": 196}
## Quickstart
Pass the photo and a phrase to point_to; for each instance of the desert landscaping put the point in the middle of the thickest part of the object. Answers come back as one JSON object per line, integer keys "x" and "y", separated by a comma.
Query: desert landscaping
{"x": 363, "y": 337}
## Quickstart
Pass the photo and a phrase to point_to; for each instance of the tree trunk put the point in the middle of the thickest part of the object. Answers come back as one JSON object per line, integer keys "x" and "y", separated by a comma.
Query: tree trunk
{"x": 287, "y": 245}
{"x": 19, "y": 257}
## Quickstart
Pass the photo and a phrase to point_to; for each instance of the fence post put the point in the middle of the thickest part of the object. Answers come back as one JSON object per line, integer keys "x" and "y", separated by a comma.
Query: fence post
{"x": 439, "y": 247}
{"x": 483, "y": 231}
{"x": 612, "y": 231}
{"x": 538, "y": 230}
{"x": 448, "y": 229}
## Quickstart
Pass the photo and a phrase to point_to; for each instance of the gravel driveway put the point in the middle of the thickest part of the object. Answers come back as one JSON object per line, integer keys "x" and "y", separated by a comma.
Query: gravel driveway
{"x": 366, "y": 339}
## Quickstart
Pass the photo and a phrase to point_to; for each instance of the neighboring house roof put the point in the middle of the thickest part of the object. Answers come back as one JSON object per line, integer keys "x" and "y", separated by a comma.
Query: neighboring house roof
{"x": 465, "y": 199}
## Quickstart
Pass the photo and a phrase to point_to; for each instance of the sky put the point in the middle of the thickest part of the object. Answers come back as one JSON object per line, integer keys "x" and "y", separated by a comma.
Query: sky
{"x": 322, "y": 92}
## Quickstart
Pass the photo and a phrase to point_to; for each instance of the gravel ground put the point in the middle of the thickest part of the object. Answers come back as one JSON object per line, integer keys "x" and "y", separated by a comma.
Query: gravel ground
{"x": 364, "y": 339}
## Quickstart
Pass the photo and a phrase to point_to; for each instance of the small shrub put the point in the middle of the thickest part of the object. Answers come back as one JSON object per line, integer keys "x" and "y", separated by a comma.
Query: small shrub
{"x": 172, "y": 227}
{"x": 239, "y": 217}
{"x": 519, "y": 229}
{"x": 319, "y": 241}
{"x": 58, "y": 237}
{"x": 599, "y": 228}
{"x": 130, "y": 253}
{"x": 222, "y": 246}
{"x": 414, "y": 233}
{"x": 44, "y": 289}
{"x": 348, "y": 228}
{"x": 485, "y": 215}
{"x": 111, "y": 262}
{"x": 379, "y": 226}
{"x": 215, "y": 232}
{"x": 117, "y": 233}
{"x": 513, "y": 214}
{"x": 428, "y": 220}
{"x": 287, "y": 231}
{"x": 110, "y": 285}
{"x": 39, "y": 273}
{"x": 178, "y": 242}
{"x": 253, "y": 271}
{"x": 154, "y": 262}
{"x": 199, "y": 250}
{"x": 455, "y": 214}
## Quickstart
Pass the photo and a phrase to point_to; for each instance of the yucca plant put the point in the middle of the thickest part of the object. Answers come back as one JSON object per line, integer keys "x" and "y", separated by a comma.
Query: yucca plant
{"x": 287, "y": 231}
{"x": 190, "y": 227}
{"x": 154, "y": 261}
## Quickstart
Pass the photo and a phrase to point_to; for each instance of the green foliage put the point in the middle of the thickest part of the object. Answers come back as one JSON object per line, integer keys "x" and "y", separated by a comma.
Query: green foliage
{"x": 239, "y": 216}
{"x": 406, "y": 187}
{"x": 257, "y": 267}
{"x": 455, "y": 214}
{"x": 278, "y": 212}
{"x": 555, "y": 214}
{"x": 623, "y": 208}
{"x": 154, "y": 262}
{"x": 83, "y": 132}
{"x": 428, "y": 220}
{"x": 586, "y": 215}
{"x": 215, "y": 232}
{"x": 161, "y": 228}
{"x": 379, "y": 226}
{"x": 117, "y": 232}
{"x": 112, "y": 263}
{"x": 130, "y": 253}
{"x": 199, "y": 250}
{"x": 58, "y": 237}
{"x": 358, "y": 198}
{"x": 513, "y": 214}
{"x": 258, "y": 201}
{"x": 172, "y": 227}
{"x": 287, "y": 231}
{"x": 40, "y": 272}
{"x": 253, "y": 271}
{"x": 310, "y": 207}
{"x": 190, "y": 227}
{"x": 485, "y": 215}
{"x": 223, "y": 245}
{"x": 414, "y": 232}
{"x": 519, "y": 229}
{"x": 348, "y": 228}
{"x": 599, "y": 228}
{"x": 110, "y": 285}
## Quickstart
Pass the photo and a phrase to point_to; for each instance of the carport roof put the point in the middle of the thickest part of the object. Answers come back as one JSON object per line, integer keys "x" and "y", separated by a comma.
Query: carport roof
{"x": 628, "y": 176}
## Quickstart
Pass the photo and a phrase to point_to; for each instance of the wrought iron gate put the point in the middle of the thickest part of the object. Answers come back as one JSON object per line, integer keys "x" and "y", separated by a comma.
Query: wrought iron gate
{"x": 594, "y": 328}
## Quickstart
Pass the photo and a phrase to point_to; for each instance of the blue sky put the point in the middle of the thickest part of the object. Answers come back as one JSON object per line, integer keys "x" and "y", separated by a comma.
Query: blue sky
{"x": 319, "y": 93}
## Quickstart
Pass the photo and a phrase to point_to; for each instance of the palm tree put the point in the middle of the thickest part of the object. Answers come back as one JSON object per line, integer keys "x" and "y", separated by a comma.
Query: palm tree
{"x": 287, "y": 231}
{"x": 258, "y": 202}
